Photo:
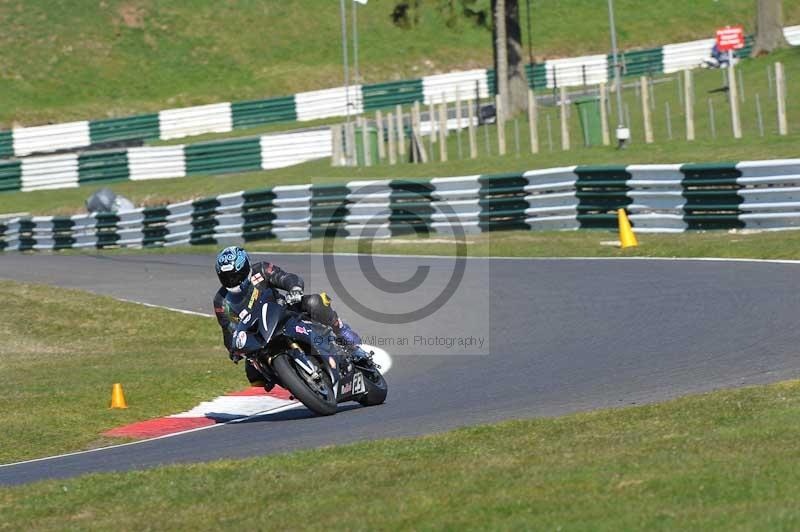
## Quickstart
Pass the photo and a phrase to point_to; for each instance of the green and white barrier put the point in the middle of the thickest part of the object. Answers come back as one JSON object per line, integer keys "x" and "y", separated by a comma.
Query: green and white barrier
{"x": 659, "y": 198}
{"x": 162, "y": 162}
{"x": 327, "y": 103}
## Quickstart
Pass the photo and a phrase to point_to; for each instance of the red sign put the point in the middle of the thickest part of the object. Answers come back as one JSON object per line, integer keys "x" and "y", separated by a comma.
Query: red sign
{"x": 730, "y": 38}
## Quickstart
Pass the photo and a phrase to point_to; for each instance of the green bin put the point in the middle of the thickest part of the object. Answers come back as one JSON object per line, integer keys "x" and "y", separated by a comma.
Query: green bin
{"x": 591, "y": 124}
{"x": 372, "y": 141}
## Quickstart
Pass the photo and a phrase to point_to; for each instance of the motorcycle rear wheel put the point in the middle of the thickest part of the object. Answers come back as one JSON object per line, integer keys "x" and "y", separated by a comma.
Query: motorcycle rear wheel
{"x": 290, "y": 378}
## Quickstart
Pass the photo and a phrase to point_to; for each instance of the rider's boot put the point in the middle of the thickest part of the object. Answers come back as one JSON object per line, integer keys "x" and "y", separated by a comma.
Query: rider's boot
{"x": 268, "y": 385}
{"x": 257, "y": 379}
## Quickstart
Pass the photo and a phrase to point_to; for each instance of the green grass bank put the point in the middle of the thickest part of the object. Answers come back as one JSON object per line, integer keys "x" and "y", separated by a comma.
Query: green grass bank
{"x": 73, "y": 60}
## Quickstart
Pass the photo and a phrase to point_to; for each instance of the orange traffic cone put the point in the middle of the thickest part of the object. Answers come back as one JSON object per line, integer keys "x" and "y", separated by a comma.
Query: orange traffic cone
{"x": 626, "y": 237}
{"x": 117, "y": 397}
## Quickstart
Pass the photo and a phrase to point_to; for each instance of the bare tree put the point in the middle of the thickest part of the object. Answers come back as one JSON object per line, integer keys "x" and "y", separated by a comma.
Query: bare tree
{"x": 501, "y": 53}
{"x": 504, "y": 18}
{"x": 517, "y": 80}
{"x": 769, "y": 26}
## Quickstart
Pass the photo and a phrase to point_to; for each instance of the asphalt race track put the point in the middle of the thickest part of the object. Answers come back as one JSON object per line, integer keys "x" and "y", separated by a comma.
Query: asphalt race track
{"x": 562, "y": 336}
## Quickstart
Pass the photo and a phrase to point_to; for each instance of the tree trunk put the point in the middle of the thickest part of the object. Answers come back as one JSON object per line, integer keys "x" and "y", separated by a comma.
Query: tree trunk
{"x": 509, "y": 63}
{"x": 769, "y": 27}
{"x": 517, "y": 81}
{"x": 501, "y": 52}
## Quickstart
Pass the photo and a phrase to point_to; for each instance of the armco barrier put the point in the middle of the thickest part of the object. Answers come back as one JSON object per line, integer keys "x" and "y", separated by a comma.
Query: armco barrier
{"x": 314, "y": 105}
{"x": 659, "y": 198}
{"x": 160, "y": 162}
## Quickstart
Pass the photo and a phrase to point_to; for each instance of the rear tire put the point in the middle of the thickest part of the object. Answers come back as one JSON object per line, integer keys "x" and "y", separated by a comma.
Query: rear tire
{"x": 285, "y": 369}
{"x": 376, "y": 388}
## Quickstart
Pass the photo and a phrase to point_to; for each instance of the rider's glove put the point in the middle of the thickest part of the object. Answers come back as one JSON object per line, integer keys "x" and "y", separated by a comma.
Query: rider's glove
{"x": 235, "y": 357}
{"x": 294, "y": 296}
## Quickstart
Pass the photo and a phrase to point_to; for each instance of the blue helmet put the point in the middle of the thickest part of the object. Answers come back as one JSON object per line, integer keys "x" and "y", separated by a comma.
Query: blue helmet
{"x": 233, "y": 267}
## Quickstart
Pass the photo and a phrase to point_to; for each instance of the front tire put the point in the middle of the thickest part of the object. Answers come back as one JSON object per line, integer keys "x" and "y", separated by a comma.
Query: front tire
{"x": 314, "y": 401}
{"x": 376, "y": 388}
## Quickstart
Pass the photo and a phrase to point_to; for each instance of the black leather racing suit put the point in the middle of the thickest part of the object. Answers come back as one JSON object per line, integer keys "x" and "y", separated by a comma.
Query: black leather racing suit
{"x": 266, "y": 276}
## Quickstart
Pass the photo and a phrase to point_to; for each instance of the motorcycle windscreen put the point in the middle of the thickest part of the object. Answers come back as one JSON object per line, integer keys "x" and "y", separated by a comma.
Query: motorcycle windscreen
{"x": 271, "y": 314}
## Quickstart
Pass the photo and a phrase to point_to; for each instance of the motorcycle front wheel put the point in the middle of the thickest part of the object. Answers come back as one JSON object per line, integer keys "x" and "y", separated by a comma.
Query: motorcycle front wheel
{"x": 316, "y": 394}
{"x": 376, "y": 388}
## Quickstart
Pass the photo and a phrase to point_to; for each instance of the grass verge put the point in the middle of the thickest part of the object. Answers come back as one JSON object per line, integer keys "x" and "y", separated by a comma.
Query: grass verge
{"x": 724, "y": 460}
{"x": 61, "y": 350}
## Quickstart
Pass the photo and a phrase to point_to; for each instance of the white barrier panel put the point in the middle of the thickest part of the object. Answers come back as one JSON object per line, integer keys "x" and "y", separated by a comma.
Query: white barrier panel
{"x": 368, "y": 209}
{"x": 775, "y": 221}
{"x": 160, "y": 162}
{"x": 550, "y": 180}
{"x": 450, "y": 188}
{"x": 686, "y": 55}
{"x": 770, "y": 199}
{"x": 586, "y": 70}
{"x": 656, "y": 200}
{"x": 280, "y": 151}
{"x": 658, "y": 223}
{"x": 54, "y": 171}
{"x": 231, "y": 201}
{"x": 292, "y": 212}
{"x": 433, "y": 87}
{"x": 457, "y": 204}
{"x": 549, "y": 204}
{"x": 792, "y": 34}
{"x": 327, "y": 103}
{"x": 769, "y": 172}
{"x": 655, "y": 175}
{"x": 29, "y": 140}
{"x": 177, "y": 123}
{"x": 554, "y": 223}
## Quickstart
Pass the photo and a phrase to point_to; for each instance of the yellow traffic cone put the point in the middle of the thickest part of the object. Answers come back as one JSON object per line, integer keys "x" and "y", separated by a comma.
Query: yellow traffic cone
{"x": 117, "y": 397}
{"x": 626, "y": 237}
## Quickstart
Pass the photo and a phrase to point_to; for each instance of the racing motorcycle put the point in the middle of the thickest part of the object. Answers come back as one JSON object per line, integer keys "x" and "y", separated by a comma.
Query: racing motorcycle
{"x": 303, "y": 356}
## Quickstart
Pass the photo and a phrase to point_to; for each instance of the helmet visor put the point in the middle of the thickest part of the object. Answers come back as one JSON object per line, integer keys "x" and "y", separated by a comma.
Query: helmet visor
{"x": 233, "y": 278}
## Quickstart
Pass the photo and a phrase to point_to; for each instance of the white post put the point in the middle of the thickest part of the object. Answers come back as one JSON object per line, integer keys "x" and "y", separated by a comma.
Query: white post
{"x": 604, "y": 114}
{"x": 381, "y": 145}
{"x": 351, "y": 140}
{"x": 432, "y": 123}
{"x": 401, "y": 134}
{"x": 532, "y": 122}
{"x": 473, "y": 141}
{"x": 365, "y": 142}
{"x": 733, "y": 98}
{"x": 780, "y": 93}
{"x": 458, "y": 122}
{"x": 500, "y": 122}
{"x": 390, "y": 133}
{"x": 688, "y": 101}
{"x": 336, "y": 133}
{"x": 443, "y": 130}
{"x": 564, "y": 126}
{"x": 416, "y": 139}
{"x": 648, "y": 124}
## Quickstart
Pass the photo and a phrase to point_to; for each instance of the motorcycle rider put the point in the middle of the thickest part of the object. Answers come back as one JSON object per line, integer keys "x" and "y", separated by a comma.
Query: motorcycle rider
{"x": 236, "y": 274}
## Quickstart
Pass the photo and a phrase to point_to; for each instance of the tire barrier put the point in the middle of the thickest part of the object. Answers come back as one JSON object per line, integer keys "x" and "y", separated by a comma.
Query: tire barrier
{"x": 659, "y": 198}
{"x": 314, "y": 105}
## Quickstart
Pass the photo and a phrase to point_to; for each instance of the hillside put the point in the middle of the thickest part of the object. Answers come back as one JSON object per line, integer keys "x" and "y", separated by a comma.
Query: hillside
{"x": 78, "y": 59}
